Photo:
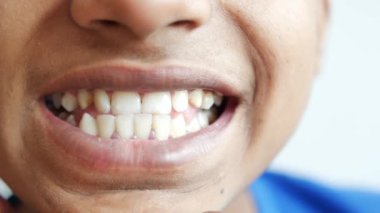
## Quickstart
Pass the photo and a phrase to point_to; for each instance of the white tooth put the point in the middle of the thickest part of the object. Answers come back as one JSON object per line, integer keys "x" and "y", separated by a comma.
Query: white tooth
{"x": 202, "y": 119}
{"x": 106, "y": 125}
{"x": 180, "y": 100}
{"x": 193, "y": 126}
{"x": 161, "y": 126}
{"x": 208, "y": 100}
{"x": 84, "y": 98}
{"x": 57, "y": 100}
{"x": 69, "y": 102}
{"x": 178, "y": 126}
{"x": 157, "y": 102}
{"x": 124, "y": 126}
{"x": 196, "y": 97}
{"x": 88, "y": 124}
{"x": 126, "y": 103}
{"x": 142, "y": 125}
{"x": 218, "y": 99}
{"x": 71, "y": 120}
{"x": 102, "y": 101}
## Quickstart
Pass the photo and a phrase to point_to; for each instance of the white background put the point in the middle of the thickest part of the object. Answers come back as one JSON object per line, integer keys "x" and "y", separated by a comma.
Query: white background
{"x": 338, "y": 140}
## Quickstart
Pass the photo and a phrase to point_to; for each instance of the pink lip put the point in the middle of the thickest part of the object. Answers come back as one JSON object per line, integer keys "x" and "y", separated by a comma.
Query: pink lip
{"x": 127, "y": 155}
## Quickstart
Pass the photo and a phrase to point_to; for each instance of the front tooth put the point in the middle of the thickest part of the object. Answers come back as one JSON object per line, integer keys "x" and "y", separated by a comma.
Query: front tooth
{"x": 193, "y": 126}
{"x": 178, "y": 126}
{"x": 88, "y": 124}
{"x": 106, "y": 125}
{"x": 196, "y": 97}
{"x": 180, "y": 100}
{"x": 208, "y": 100}
{"x": 57, "y": 98}
{"x": 71, "y": 120}
{"x": 202, "y": 118}
{"x": 102, "y": 101}
{"x": 126, "y": 103}
{"x": 142, "y": 125}
{"x": 157, "y": 102}
{"x": 69, "y": 102}
{"x": 84, "y": 98}
{"x": 124, "y": 126}
{"x": 161, "y": 126}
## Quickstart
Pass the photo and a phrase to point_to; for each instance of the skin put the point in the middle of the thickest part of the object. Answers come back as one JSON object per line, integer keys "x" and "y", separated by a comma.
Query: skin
{"x": 271, "y": 50}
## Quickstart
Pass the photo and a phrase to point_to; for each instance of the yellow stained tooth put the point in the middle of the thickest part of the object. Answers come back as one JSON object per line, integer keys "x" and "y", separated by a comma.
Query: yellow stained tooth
{"x": 180, "y": 100}
{"x": 71, "y": 120}
{"x": 161, "y": 126}
{"x": 142, "y": 125}
{"x": 124, "y": 126}
{"x": 106, "y": 125}
{"x": 84, "y": 98}
{"x": 196, "y": 97}
{"x": 207, "y": 101}
{"x": 69, "y": 102}
{"x": 102, "y": 101}
{"x": 178, "y": 126}
{"x": 88, "y": 124}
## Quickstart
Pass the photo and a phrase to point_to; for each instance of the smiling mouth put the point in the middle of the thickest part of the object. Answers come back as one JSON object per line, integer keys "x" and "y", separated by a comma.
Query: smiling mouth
{"x": 129, "y": 115}
{"x": 118, "y": 118}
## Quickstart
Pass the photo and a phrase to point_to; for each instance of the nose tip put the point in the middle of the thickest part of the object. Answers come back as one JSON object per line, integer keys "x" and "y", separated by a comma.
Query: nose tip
{"x": 142, "y": 17}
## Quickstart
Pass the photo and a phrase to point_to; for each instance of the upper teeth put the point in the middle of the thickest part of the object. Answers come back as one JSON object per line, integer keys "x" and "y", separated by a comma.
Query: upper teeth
{"x": 128, "y": 115}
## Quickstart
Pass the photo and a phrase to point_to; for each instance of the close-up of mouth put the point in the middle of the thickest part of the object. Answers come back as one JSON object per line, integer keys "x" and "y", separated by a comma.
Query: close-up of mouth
{"x": 121, "y": 117}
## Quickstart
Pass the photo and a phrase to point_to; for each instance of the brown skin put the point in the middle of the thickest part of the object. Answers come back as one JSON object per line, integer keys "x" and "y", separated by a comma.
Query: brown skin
{"x": 270, "y": 48}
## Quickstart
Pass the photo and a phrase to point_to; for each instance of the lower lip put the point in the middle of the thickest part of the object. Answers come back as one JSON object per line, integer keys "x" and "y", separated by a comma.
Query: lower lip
{"x": 103, "y": 155}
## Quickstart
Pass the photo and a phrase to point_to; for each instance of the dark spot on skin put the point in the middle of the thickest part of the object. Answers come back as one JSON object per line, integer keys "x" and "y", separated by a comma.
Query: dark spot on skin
{"x": 222, "y": 191}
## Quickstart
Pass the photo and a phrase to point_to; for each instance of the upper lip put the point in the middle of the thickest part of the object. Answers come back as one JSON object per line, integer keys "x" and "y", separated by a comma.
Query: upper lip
{"x": 120, "y": 75}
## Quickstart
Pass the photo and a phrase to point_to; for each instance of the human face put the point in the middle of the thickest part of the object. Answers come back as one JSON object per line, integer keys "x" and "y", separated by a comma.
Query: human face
{"x": 260, "y": 55}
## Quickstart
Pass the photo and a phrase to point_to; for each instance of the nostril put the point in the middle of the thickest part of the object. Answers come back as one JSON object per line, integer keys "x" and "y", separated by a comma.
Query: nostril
{"x": 184, "y": 23}
{"x": 108, "y": 23}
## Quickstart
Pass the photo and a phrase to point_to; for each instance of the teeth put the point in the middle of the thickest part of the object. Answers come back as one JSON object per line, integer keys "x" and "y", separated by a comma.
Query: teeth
{"x": 106, "y": 125}
{"x": 124, "y": 126}
{"x": 161, "y": 126}
{"x": 202, "y": 118}
{"x": 71, "y": 120}
{"x": 218, "y": 99}
{"x": 142, "y": 125}
{"x": 157, "y": 102}
{"x": 102, "y": 101}
{"x": 69, "y": 102}
{"x": 84, "y": 98}
{"x": 193, "y": 126}
{"x": 129, "y": 115}
{"x": 126, "y": 103}
{"x": 208, "y": 100}
{"x": 88, "y": 124}
{"x": 180, "y": 101}
{"x": 196, "y": 97}
{"x": 178, "y": 127}
{"x": 57, "y": 98}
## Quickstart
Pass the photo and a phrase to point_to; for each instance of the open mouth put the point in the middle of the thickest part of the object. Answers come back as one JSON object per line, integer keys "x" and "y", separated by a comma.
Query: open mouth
{"x": 131, "y": 115}
{"x": 121, "y": 118}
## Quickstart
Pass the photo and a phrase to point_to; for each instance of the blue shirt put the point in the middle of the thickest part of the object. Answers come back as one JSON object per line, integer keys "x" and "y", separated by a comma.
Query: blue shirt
{"x": 274, "y": 193}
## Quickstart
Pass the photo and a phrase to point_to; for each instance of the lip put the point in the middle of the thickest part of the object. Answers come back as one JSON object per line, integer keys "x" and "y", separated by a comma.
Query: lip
{"x": 128, "y": 155}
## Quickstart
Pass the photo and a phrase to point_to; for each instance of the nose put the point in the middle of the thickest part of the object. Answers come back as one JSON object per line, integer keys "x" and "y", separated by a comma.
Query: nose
{"x": 141, "y": 17}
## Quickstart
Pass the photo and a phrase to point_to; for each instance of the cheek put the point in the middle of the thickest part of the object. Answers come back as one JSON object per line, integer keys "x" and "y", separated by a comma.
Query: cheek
{"x": 285, "y": 55}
